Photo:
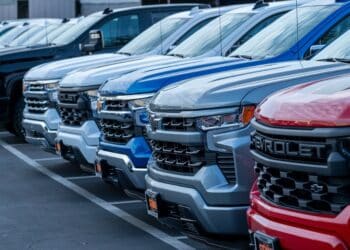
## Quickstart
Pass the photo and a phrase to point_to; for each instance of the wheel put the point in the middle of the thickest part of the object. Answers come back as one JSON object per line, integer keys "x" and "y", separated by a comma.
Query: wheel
{"x": 17, "y": 117}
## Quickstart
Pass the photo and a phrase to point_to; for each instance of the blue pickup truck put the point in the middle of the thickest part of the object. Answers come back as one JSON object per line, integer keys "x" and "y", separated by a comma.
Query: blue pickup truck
{"x": 124, "y": 150}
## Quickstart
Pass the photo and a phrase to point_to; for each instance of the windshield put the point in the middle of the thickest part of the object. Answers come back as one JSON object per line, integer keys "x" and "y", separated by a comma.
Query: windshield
{"x": 339, "y": 49}
{"x": 208, "y": 37}
{"x": 12, "y": 34}
{"x": 42, "y": 38}
{"x": 78, "y": 29}
{"x": 32, "y": 32}
{"x": 282, "y": 34}
{"x": 153, "y": 36}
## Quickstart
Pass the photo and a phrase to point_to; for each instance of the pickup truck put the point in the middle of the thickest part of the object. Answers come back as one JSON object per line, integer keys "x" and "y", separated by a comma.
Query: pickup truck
{"x": 301, "y": 147}
{"x": 201, "y": 169}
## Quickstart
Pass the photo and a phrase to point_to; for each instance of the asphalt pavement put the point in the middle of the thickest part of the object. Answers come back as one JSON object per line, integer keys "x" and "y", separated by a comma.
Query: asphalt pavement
{"x": 47, "y": 203}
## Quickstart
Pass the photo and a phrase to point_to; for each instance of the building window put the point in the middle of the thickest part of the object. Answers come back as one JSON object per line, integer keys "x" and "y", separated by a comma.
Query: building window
{"x": 22, "y": 9}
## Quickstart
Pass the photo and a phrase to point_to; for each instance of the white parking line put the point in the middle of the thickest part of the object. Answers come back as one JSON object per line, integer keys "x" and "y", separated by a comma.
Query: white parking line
{"x": 81, "y": 177}
{"x": 49, "y": 159}
{"x": 182, "y": 237}
{"x": 160, "y": 235}
{"x": 4, "y": 133}
{"x": 125, "y": 202}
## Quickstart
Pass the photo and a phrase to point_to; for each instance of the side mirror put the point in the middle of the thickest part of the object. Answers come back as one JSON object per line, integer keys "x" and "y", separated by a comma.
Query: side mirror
{"x": 95, "y": 42}
{"x": 314, "y": 49}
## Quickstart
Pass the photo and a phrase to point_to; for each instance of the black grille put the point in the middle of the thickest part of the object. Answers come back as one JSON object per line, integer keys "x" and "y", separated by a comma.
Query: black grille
{"x": 116, "y": 105}
{"x": 297, "y": 149}
{"x": 179, "y": 124}
{"x": 178, "y": 157}
{"x": 74, "y": 108}
{"x": 36, "y": 105}
{"x": 36, "y": 87}
{"x": 116, "y": 131}
{"x": 303, "y": 191}
{"x": 227, "y": 166}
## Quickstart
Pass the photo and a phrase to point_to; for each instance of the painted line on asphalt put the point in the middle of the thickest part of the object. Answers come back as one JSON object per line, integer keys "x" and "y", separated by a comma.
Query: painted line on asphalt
{"x": 81, "y": 177}
{"x": 125, "y": 202}
{"x": 182, "y": 237}
{"x": 160, "y": 235}
{"x": 49, "y": 159}
{"x": 4, "y": 133}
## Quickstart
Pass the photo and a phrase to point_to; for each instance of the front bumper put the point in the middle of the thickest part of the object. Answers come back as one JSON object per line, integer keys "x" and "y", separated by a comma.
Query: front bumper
{"x": 83, "y": 139}
{"x": 207, "y": 218}
{"x": 41, "y": 129}
{"x": 120, "y": 166}
{"x": 217, "y": 205}
{"x": 127, "y": 163}
{"x": 297, "y": 230}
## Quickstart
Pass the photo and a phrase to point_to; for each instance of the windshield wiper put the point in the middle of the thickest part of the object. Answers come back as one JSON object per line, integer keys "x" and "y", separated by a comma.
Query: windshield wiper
{"x": 176, "y": 55}
{"x": 243, "y": 57}
{"x": 124, "y": 53}
{"x": 334, "y": 59}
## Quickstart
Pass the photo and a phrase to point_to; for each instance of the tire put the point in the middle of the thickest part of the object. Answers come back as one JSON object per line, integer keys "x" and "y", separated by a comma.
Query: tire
{"x": 17, "y": 117}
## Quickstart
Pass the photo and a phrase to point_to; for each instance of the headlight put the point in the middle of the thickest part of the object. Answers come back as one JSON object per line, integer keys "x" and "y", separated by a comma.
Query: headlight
{"x": 139, "y": 106}
{"x": 93, "y": 96}
{"x": 140, "y": 103}
{"x": 237, "y": 120}
{"x": 51, "y": 85}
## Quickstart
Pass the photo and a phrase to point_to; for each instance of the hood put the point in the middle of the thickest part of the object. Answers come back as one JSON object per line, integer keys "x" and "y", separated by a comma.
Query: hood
{"x": 58, "y": 69}
{"x": 324, "y": 103}
{"x": 16, "y": 54}
{"x": 151, "y": 79}
{"x": 96, "y": 76}
{"x": 242, "y": 87}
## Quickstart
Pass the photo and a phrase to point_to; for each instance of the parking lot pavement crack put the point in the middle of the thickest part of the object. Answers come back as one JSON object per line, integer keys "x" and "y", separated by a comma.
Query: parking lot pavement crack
{"x": 160, "y": 235}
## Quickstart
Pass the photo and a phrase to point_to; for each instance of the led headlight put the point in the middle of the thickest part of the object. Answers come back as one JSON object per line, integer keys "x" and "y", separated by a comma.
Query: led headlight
{"x": 52, "y": 87}
{"x": 139, "y": 105}
{"x": 93, "y": 96}
{"x": 235, "y": 120}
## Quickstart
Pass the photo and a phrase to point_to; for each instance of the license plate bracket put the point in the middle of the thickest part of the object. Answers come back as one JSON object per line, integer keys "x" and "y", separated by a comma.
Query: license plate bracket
{"x": 265, "y": 242}
{"x": 153, "y": 203}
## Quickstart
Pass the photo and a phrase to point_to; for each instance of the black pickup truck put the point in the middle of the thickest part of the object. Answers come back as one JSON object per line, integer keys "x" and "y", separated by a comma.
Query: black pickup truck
{"x": 117, "y": 27}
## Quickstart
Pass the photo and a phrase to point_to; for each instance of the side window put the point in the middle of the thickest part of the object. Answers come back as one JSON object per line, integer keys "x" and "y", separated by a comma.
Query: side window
{"x": 255, "y": 30}
{"x": 157, "y": 16}
{"x": 337, "y": 30}
{"x": 191, "y": 31}
{"x": 120, "y": 30}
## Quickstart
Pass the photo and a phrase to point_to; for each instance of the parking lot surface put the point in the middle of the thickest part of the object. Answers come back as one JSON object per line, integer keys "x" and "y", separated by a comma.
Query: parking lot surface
{"x": 47, "y": 203}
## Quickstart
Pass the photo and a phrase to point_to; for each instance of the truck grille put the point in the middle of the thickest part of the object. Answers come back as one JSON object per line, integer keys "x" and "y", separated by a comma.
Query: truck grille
{"x": 77, "y": 112}
{"x": 116, "y": 131}
{"x": 292, "y": 148}
{"x": 227, "y": 166}
{"x": 303, "y": 191}
{"x": 179, "y": 124}
{"x": 36, "y": 105}
{"x": 178, "y": 157}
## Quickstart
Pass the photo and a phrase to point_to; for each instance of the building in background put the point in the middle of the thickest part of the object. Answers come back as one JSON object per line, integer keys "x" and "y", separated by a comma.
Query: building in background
{"x": 13, "y": 9}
